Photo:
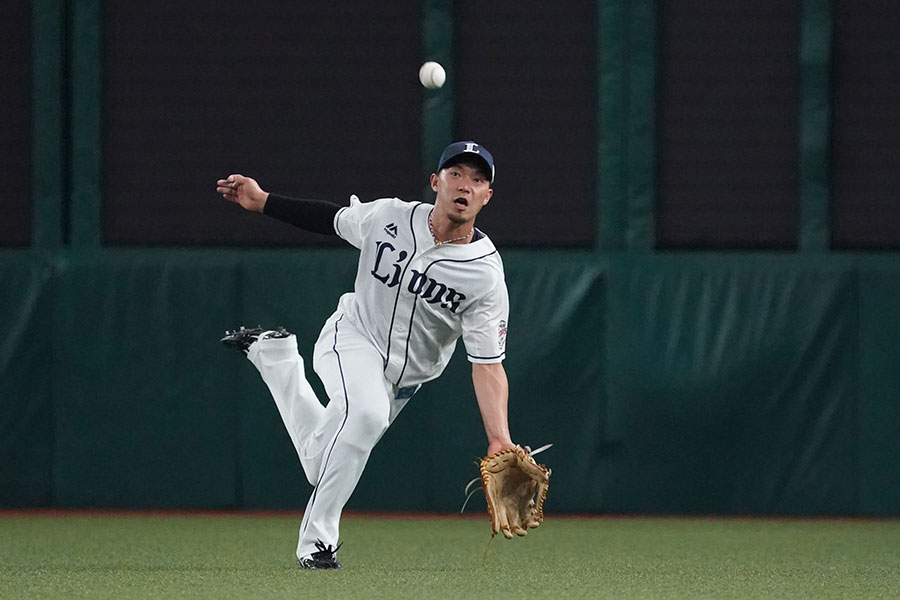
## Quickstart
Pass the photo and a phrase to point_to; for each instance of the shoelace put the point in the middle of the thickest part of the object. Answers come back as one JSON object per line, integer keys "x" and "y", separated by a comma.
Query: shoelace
{"x": 326, "y": 550}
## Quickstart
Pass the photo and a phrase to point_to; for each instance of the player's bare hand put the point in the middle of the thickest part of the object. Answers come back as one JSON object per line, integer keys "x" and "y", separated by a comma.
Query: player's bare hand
{"x": 244, "y": 191}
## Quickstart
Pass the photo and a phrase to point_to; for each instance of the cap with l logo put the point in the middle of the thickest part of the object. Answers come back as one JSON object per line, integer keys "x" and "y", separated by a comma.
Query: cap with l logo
{"x": 458, "y": 150}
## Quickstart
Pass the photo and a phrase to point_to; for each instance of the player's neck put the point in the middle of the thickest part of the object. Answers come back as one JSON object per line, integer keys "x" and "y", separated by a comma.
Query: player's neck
{"x": 444, "y": 231}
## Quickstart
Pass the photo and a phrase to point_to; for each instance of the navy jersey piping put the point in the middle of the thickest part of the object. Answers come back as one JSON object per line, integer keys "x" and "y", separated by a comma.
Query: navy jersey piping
{"x": 412, "y": 254}
{"x": 340, "y": 429}
{"x": 337, "y": 228}
{"x": 485, "y": 357}
{"x": 416, "y": 301}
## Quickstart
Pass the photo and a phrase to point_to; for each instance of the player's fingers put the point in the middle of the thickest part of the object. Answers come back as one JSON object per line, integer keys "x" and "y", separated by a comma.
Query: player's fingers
{"x": 229, "y": 195}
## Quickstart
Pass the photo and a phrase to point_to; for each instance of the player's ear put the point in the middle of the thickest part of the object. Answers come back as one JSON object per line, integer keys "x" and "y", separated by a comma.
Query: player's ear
{"x": 487, "y": 198}
{"x": 434, "y": 182}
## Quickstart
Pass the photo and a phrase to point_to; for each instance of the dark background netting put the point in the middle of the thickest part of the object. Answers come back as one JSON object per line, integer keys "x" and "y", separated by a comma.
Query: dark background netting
{"x": 321, "y": 100}
{"x": 15, "y": 125}
{"x": 866, "y": 125}
{"x": 314, "y": 99}
{"x": 728, "y": 99}
{"x": 527, "y": 91}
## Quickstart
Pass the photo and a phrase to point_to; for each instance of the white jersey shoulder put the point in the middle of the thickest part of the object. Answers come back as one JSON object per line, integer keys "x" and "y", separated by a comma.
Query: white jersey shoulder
{"x": 352, "y": 222}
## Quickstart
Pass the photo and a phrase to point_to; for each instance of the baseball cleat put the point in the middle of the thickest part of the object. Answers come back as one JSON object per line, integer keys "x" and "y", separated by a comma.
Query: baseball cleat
{"x": 325, "y": 558}
{"x": 242, "y": 338}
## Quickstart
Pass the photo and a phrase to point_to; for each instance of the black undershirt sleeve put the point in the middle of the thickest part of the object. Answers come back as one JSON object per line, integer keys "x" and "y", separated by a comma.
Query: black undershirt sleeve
{"x": 310, "y": 215}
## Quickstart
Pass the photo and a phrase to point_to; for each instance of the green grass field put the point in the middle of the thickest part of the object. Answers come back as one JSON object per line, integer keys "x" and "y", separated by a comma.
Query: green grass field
{"x": 223, "y": 556}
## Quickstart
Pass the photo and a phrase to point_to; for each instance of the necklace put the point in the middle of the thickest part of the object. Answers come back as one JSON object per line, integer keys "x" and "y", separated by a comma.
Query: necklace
{"x": 440, "y": 243}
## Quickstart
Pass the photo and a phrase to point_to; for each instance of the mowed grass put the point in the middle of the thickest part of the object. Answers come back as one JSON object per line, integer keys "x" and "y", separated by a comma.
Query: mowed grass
{"x": 225, "y": 556}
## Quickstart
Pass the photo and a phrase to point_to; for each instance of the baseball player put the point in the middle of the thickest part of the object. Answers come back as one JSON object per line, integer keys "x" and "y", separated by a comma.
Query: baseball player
{"x": 426, "y": 277}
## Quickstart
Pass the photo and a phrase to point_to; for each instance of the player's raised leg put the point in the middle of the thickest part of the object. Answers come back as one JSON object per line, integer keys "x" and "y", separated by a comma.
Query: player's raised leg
{"x": 282, "y": 369}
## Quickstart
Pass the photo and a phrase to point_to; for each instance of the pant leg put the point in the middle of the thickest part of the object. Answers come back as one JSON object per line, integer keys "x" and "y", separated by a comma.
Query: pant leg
{"x": 282, "y": 370}
{"x": 359, "y": 411}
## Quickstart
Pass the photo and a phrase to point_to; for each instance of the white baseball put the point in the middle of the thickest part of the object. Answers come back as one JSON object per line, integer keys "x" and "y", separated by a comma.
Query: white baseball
{"x": 432, "y": 75}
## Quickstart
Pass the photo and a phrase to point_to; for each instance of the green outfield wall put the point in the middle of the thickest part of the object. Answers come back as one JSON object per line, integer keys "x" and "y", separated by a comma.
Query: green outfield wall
{"x": 748, "y": 384}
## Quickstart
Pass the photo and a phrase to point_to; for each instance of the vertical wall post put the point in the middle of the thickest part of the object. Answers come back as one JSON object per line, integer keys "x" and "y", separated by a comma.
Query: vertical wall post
{"x": 626, "y": 157}
{"x": 641, "y": 142}
{"x": 816, "y": 27}
{"x": 612, "y": 106}
{"x": 86, "y": 96}
{"x": 48, "y": 123}
{"x": 437, "y": 105}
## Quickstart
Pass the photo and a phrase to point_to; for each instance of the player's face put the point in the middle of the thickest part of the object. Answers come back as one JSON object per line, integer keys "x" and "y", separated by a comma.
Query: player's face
{"x": 462, "y": 191}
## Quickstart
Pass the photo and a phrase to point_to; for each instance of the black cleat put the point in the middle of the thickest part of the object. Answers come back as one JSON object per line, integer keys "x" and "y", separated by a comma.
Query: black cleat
{"x": 243, "y": 337}
{"x": 325, "y": 558}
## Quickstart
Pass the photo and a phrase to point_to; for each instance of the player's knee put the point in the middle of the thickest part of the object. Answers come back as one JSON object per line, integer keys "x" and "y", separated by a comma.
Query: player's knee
{"x": 368, "y": 423}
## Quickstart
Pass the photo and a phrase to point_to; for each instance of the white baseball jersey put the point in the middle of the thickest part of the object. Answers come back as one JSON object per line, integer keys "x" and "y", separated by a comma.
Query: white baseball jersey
{"x": 414, "y": 299}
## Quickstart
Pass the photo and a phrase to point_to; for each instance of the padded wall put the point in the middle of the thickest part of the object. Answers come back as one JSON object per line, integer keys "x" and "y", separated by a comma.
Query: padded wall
{"x": 879, "y": 380}
{"x": 733, "y": 387}
{"x": 26, "y": 379}
{"x": 683, "y": 384}
{"x": 144, "y": 403}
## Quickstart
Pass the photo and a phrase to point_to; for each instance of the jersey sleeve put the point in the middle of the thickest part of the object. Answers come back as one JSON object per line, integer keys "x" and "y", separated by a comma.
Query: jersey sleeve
{"x": 484, "y": 326}
{"x": 311, "y": 215}
{"x": 351, "y": 223}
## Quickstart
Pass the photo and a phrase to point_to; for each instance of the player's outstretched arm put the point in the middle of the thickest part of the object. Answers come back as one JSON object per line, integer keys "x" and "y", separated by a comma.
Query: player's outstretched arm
{"x": 244, "y": 191}
{"x": 311, "y": 215}
{"x": 492, "y": 392}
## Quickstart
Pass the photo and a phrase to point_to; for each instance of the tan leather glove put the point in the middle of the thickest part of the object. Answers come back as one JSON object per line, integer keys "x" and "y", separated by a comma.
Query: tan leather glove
{"x": 515, "y": 487}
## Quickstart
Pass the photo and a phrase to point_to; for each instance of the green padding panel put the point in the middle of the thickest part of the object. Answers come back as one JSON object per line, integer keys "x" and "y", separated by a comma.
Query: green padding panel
{"x": 879, "y": 384}
{"x": 26, "y": 369}
{"x": 723, "y": 384}
{"x": 145, "y": 413}
{"x": 732, "y": 387}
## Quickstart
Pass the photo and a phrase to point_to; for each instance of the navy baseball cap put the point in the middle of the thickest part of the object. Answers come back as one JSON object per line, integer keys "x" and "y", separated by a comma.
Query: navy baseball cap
{"x": 458, "y": 151}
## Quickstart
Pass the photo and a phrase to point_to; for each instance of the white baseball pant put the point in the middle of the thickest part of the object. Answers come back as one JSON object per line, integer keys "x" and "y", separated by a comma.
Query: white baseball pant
{"x": 333, "y": 442}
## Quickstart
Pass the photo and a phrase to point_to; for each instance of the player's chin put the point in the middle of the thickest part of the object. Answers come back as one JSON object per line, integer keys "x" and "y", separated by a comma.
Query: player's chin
{"x": 461, "y": 218}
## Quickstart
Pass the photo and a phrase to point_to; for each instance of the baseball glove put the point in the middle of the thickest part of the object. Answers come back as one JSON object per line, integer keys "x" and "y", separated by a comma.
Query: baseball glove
{"x": 515, "y": 487}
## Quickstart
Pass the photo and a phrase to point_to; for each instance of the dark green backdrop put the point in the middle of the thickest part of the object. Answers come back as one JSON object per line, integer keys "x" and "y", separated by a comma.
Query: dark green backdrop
{"x": 689, "y": 384}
